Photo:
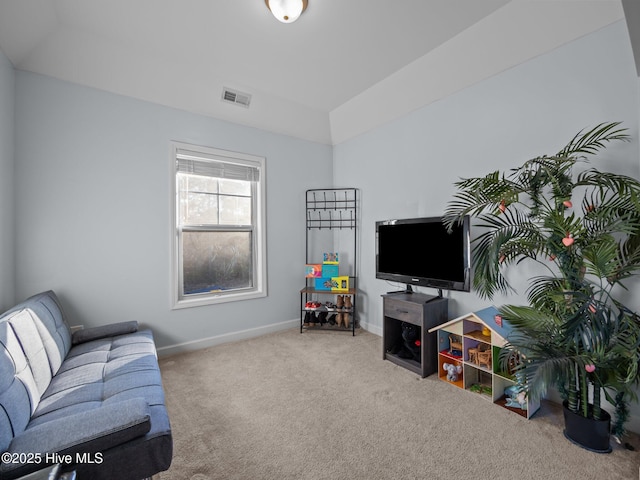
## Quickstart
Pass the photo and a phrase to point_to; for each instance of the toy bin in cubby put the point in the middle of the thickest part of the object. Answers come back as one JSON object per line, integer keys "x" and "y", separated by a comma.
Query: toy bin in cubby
{"x": 442, "y": 373}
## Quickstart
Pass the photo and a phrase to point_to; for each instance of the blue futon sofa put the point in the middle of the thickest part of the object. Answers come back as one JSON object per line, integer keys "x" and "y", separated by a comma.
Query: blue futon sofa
{"x": 91, "y": 401}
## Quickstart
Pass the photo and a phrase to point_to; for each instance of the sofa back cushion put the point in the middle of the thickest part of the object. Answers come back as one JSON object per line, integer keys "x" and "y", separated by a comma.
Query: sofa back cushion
{"x": 34, "y": 340}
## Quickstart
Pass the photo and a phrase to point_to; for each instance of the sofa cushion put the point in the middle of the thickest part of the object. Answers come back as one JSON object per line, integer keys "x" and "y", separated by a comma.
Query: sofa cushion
{"x": 52, "y": 326}
{"x": 102, "y": 372}
{"x": 26, "y": 347}
{"x": 50, "y": 322}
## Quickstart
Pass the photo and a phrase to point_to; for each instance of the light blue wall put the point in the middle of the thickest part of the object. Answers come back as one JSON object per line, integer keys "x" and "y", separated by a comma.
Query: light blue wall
{"x": 92, "y": 206}
{"x": 7, "y": 264}
{"x": 92, "y": 180}
{"x": 407, "y": 168}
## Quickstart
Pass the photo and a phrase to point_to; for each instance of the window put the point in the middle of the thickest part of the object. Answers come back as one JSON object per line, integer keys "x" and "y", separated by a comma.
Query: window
{"x": 218, "y": 218}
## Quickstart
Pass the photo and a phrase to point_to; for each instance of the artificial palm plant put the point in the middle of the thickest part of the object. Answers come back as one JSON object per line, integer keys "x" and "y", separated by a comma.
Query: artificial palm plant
{"x": 583, "y": 227}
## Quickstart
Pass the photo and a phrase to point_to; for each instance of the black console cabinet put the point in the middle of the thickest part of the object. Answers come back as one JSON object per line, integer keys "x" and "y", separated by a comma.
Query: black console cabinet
{"x": 424, "y": 311}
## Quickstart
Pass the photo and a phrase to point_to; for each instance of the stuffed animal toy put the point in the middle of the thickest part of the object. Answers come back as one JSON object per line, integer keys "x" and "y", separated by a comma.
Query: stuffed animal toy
{"x": 409, "y": 346}
{"x": 515, "y": 398}
{"x": 452, "y": 371}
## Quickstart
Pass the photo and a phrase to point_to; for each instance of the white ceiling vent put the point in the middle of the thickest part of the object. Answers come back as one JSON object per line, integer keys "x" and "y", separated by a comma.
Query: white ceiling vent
{"x": 236, "y": 97}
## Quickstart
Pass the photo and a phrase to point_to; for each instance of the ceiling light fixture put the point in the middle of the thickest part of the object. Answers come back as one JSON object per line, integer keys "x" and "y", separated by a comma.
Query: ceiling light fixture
{"x": 286, "y": 11}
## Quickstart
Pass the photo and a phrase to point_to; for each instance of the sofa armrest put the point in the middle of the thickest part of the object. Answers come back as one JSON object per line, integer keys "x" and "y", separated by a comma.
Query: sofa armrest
{"x": 111, "y": 330}
{"x": 91, "y": 431}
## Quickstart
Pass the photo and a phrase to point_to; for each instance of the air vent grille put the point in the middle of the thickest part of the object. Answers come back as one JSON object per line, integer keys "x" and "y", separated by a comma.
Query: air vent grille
{"x": 238, "y": 98}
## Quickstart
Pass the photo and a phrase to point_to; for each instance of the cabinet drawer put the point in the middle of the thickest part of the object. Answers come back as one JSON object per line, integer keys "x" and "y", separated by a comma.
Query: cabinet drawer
{"x": 405, "y": 311}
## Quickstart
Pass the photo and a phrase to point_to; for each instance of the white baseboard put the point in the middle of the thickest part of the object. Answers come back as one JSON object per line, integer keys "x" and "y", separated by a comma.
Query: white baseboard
{"x": 376, "y": 330}
{"x": 226, "y": 338}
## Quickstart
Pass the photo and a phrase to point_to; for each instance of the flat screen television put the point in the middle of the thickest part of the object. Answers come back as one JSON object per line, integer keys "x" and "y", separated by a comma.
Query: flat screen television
{"x": 420, "y": 251}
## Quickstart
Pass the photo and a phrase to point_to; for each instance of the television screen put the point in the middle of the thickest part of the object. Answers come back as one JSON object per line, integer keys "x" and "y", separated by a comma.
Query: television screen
{"x": 420, "y": 251}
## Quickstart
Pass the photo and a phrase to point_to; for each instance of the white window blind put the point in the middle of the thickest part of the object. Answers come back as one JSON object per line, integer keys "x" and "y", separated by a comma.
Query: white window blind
{"x": 219, "y": 236}
{"x": 218, "y": 167}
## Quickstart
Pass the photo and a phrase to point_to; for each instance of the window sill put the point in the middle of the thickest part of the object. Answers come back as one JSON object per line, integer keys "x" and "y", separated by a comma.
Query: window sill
{"x": 214, "y": 299}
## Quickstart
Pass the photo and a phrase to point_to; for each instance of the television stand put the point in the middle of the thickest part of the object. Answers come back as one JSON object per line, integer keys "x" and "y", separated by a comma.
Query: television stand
{"x": 424, "y": 311}
{"x": 409, "y": 291}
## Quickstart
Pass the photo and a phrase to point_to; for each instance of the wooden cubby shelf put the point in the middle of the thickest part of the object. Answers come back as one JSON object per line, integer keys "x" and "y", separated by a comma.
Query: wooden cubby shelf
{"x": 473, "y": 342}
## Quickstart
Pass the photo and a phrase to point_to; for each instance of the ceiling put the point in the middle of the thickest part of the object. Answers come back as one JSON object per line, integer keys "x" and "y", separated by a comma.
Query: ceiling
{"x": 344, "y": 67}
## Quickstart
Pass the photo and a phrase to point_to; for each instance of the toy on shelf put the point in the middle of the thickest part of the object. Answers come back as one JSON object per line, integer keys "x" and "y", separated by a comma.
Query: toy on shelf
{"x": 329, "y": 270}
{"x": 515, "y": 398}
{"x": 452, "y": 371}
{"x": 340, "y": 283}
{"x": 480, "y": 355}
{"x": 484, "y": 355}
{"x": 513, "y": 364}
{"x": 455, "y": 345}
{"x": 335, "y": 284}
{"x": 482, "y": 389}
{"x": 409, "y": 345}
{"x": 313, "y": 270}
{"x": 473, "y": 355}
{"x": 331, "y": 258}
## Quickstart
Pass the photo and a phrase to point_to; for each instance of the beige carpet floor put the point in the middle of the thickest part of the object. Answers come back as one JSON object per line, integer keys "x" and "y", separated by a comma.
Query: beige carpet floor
{"x": 324, "y": 405}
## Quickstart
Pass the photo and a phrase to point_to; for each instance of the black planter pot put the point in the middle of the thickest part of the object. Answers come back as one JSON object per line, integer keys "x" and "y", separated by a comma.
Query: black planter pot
{"x": 588, "y": 433}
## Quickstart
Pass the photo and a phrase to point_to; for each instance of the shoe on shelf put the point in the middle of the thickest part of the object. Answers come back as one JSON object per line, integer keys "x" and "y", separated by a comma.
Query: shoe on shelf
{"x": 347, "y": 303}
{"x": 340, "y": 302}
{"x": 312, "y": 305}
{"x": 331, "y": 307}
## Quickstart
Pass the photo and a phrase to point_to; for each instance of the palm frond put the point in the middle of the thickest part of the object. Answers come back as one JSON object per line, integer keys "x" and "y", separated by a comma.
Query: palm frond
{"x": 594, "y": 140}
{"x": 602, "y": 257}
{"x": 480, "y": 195}
{"x": 508, "y": 237}
{"x": 628, "y": 262}
{"x": 605, "y": 212}
{"x": 547, "y": 293}
{"x": 621, "y": 185}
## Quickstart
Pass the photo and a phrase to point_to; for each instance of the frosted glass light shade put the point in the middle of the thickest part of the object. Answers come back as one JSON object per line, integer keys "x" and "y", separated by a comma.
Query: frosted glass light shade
{"x": 286, "y": 11}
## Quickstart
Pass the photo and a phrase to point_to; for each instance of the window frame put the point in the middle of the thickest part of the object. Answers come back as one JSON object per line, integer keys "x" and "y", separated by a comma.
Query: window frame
{"x": 259, "y": 288}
